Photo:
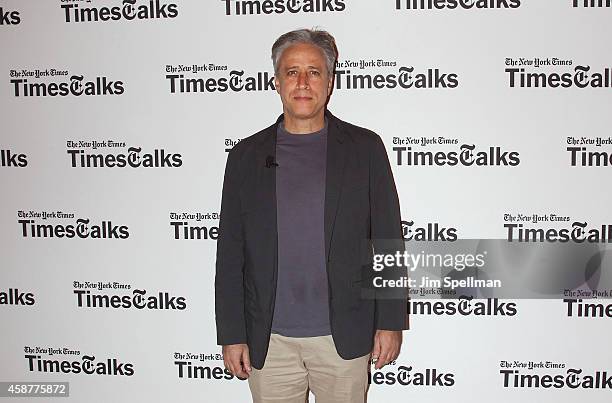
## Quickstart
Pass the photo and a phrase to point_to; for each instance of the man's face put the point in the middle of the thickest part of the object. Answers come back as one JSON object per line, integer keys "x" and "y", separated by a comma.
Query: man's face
{"x": 303, "y": 82}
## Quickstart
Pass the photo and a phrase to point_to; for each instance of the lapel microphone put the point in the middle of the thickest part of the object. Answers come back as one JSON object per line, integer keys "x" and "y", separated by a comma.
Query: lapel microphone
{"x": 270, "y": 162}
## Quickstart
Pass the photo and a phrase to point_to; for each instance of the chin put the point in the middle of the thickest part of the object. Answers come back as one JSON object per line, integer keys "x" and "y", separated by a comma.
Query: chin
{"x": 303, "y": 114}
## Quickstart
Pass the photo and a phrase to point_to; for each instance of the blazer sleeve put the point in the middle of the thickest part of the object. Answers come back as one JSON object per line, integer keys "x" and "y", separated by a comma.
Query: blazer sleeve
{"x": 386, "y": 235}
{"x": 229, "y": 292}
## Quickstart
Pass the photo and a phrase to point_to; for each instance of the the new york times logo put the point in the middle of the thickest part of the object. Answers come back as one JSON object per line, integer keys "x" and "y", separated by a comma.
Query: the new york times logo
{"x": 461, "y": 155}
{"x": 13, "y": 296}
{"x": 61, "y": 84}
{"x": 183, "y": 226}
{"x": 88, "y": 364}
{"x": 578, "y": 308}
{"x": 578, "y": 233}
{"x": 91, "y": 295}
{"x": 132, "y": 157}
{"x": 580, "y": 153}
{"x": 9, "y": 17}
{"x": 250, "y": 7}
{"x": 464, "y": 306}
{"x": 581, "y": 76}
{"x": 591, "y": 3}
{"x": 408, "y": 376}
{"x": 189, "y": 366}
{"x": 129, "y": 11}
{"x": 83, "y": 228}
{"x": 455, "y": 4}
{"x": 431, "y": 232}
{"x": 572, "y": 378}
{"x": 236, "y": 81}
{"x": 404, "y": 78}
{"x": 9, "y": 158}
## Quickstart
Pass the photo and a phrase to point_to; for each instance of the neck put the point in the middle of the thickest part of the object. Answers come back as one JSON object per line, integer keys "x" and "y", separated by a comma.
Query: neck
{"x": 304, "y": 126}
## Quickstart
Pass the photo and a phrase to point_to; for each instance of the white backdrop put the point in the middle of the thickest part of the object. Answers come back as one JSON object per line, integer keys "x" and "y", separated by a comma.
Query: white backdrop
{"x": 173, "y": 144}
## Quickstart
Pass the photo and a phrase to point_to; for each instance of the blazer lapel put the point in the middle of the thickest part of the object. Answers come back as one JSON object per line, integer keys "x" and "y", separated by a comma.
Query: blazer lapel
{"x": 336, "y": 156}
{"x": 266, "y": 175}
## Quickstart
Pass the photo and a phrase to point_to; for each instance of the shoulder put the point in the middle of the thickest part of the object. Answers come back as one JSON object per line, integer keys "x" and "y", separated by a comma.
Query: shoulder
{"x": 360, "y": 135}
{"x": 247, "y": 144}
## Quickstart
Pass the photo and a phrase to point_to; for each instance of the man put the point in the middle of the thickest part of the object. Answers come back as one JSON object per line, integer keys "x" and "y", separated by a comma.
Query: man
{"x": 303, "y": 201}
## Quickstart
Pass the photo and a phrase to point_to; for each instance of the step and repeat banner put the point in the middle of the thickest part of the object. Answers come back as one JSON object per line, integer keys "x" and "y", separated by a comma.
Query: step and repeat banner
{"x": 116, "y": 120}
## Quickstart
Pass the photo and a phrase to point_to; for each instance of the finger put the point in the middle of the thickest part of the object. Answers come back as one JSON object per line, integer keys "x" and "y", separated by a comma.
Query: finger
{"x": 381, "y": 361}
{"x": 246, "y": 360}
{"x": 376, "y": 349}
{"x": 384, "y": 357}
{"x": 235, "y": 365}
{"x": 242, "y": 374}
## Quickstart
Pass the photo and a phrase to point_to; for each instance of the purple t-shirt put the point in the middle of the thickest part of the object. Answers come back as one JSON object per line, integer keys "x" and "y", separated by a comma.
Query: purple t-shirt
{"x": 301, "y": 308}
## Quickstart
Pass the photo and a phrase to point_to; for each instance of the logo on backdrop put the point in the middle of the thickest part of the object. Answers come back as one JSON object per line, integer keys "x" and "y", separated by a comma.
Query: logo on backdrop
{"x": 201, "y": 366}
{"x": 59, "y": 224}
{"x": 550, "y": 227}
{"x": 587, "y": 151}
{"x": 441, "y": 151}
{"x": 463, "y": 306}
{"x": 551, "y": 375}
{"x": 257, "y": 7}
{"x": 117, "y": 154}
{"x": 9, "y": 17}
{"x": 63, "y": 360}
{"x": 186, "y": 225}
{"x": 552, "y": 72}
{"x": 578, "y": 308}
{"x": 60, "y": 83}
{"x": 350, "y": 74}
{"x": 383, "y": 74}
{"x": 456, "y": 4}
{"x": 209, "y": 77}
{"x": 432, "y": 231}
{"x": 13, "y": 296}
{"x": 591, "y": 3}
{"x": 399, "y": 374}
{"x": 115, "y": 295}
{"x": 9, "y": 158}
{"x": 129, "y": 10}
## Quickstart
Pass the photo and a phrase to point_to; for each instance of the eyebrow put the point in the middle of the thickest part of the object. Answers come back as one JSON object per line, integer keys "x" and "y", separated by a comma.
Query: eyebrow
{"x": 310, "y": 67}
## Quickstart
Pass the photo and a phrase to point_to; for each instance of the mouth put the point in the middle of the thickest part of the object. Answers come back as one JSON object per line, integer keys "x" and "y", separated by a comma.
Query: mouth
{"x": 302, "y": 98}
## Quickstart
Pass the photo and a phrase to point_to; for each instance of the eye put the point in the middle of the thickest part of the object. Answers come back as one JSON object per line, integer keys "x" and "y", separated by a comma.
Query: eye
{"x": 292, "y": 72}
{"x": 315, "y": 73}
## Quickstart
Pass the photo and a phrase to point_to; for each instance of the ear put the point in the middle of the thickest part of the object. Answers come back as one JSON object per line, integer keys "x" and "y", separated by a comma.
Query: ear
{"x": 276, "y": 84}
{"x": 330, "y": 84}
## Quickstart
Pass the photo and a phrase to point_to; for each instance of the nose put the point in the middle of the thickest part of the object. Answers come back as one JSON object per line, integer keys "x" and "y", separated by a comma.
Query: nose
{"x": 302, "y": 80}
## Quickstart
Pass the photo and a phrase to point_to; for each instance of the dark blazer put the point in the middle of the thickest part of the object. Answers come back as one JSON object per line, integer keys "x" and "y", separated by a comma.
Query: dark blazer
{"x": 361, "y": 203}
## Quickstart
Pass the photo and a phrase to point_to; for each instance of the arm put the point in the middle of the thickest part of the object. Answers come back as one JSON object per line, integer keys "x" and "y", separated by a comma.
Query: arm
{"x": 229, "y": 292}
{"x": 386, "y": 234}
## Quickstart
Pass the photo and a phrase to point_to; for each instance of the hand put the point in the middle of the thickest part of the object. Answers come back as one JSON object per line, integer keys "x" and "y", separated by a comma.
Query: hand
{"x": 236, "y": 360}
{"x": 387, "y": 345}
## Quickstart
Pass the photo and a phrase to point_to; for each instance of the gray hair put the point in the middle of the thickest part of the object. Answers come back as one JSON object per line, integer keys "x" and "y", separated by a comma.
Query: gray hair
{"x": 319, "y": 38}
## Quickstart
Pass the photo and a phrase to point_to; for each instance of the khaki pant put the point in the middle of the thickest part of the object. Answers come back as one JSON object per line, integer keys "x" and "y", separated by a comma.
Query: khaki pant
{"x": 296, "y": 364}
